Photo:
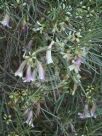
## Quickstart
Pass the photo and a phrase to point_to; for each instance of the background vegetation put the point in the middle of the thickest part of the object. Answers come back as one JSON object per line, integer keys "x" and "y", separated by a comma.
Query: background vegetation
{"x": 75, "y": 26}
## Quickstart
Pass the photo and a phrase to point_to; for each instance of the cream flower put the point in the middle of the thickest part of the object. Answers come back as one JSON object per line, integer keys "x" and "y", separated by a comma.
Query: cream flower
{"x": 48, "y": 53}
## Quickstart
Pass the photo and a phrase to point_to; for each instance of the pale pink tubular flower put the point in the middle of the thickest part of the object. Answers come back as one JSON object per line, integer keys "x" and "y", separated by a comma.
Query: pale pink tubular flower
{"x": 41, "y": 71}
{"x": 29, "y": 114}
{"x": 6, "y": 20}
{"x": 78, "y": 63}
{"x": 28, "y": 77}
{"x": 48, "y": 53}
{"x": 19, "y": 72}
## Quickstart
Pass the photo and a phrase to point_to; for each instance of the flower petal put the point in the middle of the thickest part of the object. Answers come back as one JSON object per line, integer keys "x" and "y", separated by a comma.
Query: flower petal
{"x": 78, "y": 63}
{"x": 5, "y": 21}
{"x": 28, "y": 77}
{"x": 34, "y": 75}
{"x": 41, "y": 71}
{"x": 48, "y": 53}
{"x": 71, "y": 67}
{"x": 29, "y": 114}
{"x": 19, "y": 72}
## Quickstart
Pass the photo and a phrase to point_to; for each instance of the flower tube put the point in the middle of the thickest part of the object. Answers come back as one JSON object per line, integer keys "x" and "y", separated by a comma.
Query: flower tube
{"x": 29, "y": 114}
{"x": 48, "y": 53}
{"x": 19, "y": 72}
{"x": 41, "y": 71}
{"x": 28, "y": 77}
{"x": 5, "y": 21}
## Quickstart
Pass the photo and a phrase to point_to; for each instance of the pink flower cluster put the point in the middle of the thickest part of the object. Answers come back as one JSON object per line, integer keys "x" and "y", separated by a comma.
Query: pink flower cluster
{"x": 30, "y": 75}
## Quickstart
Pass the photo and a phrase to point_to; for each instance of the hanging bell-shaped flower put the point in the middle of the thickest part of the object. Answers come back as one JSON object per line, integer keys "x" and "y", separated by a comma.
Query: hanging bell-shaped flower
{"x": 48, "y": 53}
{"x": 29, "y": 114}
{"x": 41, "y": 71}
{"x": 28, "y": 77}
{"x": 5, "y": 21}
{"x": 20, "y": 71}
